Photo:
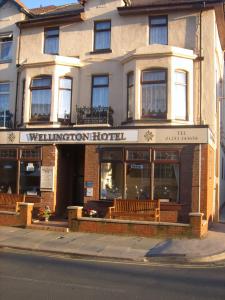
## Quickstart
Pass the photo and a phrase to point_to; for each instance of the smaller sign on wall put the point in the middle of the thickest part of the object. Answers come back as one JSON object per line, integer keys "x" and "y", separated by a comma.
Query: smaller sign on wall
{"x": 47, "y": 178}
{"x": 89, "y": 192}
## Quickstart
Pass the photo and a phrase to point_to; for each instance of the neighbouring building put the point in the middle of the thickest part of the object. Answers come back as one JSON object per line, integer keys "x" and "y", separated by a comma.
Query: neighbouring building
{"x": 114, "y": 99}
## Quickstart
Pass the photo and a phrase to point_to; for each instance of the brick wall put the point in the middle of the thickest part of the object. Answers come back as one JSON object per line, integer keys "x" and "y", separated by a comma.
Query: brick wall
{"x": 91, "y": 171}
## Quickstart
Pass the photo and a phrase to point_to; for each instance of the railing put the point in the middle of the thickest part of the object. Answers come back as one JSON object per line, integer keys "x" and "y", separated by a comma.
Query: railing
{"x": 6, "y": 119}
{"x": 94, "y": 115}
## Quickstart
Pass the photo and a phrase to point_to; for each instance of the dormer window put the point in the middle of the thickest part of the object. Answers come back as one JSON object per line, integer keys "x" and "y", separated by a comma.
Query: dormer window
{"x": 6, "y": 40}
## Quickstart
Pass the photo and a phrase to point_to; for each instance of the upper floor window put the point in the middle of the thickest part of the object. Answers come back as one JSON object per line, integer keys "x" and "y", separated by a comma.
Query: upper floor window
{"x": 158, "y": 32}
{"x": 130, "y": 95}
{"x": 51, "y": 44}
{"x": 100, "y": 91}
{"x": 4, "y": 96}
{"x": 6, "y": 40}
{"x": 65, "y": 93}
{"x": 41, "y": 98}
{"x": 180, "y": 95}
{"x": 154, "y": 93}
{"x": 102, "y": 35}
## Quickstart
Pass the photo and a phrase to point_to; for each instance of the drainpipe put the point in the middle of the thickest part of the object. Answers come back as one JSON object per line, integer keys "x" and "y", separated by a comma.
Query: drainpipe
{"x": 17, "y": 78}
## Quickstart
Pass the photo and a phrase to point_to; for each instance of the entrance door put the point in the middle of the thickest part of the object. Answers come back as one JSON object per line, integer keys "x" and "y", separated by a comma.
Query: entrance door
{"x": 70, "y": 177}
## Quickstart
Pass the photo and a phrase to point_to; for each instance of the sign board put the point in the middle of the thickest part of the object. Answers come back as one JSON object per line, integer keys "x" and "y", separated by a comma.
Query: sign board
{"x": 89, "y": 192}
{"x": 47, "y": 178}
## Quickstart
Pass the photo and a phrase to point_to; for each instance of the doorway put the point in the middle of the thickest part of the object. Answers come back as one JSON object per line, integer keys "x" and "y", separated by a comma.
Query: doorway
{"x": 70, "y": 179}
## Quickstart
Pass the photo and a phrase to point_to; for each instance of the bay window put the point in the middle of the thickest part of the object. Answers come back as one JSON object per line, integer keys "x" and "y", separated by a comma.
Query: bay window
{"x": 65, "y": 93}
{"x": 154, "y": 93}
{"x": 41, "y": 98}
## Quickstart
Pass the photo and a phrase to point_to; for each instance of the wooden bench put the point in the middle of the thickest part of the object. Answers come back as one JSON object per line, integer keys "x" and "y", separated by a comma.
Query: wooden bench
{"x": 145, "y": 210}
{"x": 10, "y": 202}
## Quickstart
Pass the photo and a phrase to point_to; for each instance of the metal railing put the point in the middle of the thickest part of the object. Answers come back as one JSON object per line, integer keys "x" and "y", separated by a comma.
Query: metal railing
{"x": 94, "y": 115}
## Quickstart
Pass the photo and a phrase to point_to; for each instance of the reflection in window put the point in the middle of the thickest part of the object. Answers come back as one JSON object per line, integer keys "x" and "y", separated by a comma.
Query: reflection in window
{"x": 166, "y": 155}
{"x": 112, "y": 155}
{"x": 40, "y": 98}
{"x": 8, "y": 176}
{"x": 111, "y": 180}
{"x": 65, "y": 92}
{"x": 138, "y": 155}
{"x": 30, "y": 178}
{"x": 166, "y": 181}
{"x": 137, "y": 181}
{"x": 154, "y": 94}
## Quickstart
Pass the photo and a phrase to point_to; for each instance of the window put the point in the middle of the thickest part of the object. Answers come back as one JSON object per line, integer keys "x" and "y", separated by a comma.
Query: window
{"x": 30, "y": 178}
{"x": 158, "y": 30}
{"x": 143, "y": 173}
{"x": 6, "y": 40}
{"x": 154, "y": 93}
{"x": 130, "y": 95}
{"x": 8, "y": 176}
{"x": 51, "y": 44}
{"x": 65, "y": 93}
{"x": 40, "y": 98}
{"x": 180, "y": 95}
{"x": 4, "y": 96}
{"x": 100, "y": 91}
{"x": 102, "y": 35}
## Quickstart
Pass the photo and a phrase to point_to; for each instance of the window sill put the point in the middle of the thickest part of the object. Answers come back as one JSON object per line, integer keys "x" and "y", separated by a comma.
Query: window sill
{"x": 6, "y": 61}
{"x": 100, "y": 51}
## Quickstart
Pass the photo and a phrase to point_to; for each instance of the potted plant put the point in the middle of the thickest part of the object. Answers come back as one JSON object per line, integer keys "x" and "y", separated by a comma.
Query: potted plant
{"x": 45, "y": 213}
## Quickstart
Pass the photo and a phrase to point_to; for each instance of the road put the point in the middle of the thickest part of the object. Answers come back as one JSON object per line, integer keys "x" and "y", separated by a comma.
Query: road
{"x": 32, "y": 276}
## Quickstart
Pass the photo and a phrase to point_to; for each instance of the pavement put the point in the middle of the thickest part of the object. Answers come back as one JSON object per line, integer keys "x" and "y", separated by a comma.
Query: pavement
{"x": 128, "y": 248}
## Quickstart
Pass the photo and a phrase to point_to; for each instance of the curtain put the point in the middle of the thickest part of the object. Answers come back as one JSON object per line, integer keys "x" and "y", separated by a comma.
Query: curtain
{"x": 41, "y": 102}
{"x": 64, "y": 104}
{"x": 52, "y": 45}
{"x": 100, "y": 97}
{"x": 6, "y": 50}
{"x": 177, "y": 175}
{"x": 153, "y": 99}
{"x": 4, "y": 97}
{"x": 102, "y": 40}
{"x": 158, "y": 35}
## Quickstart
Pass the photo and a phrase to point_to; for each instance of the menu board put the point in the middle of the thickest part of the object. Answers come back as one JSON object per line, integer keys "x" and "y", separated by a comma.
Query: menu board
{"x": 47, "y": 178}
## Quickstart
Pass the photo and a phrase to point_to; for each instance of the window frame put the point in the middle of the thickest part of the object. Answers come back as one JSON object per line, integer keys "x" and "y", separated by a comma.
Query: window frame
{"x": 35, "y": 88}
{"x": 158, "y": 25}
{"x": 164, "y": 115}
{"x": 98, "y": 86}
{"x": 95, "y": 49}
{"x": 71, "y": 95}
{"x": 46, "y": 37}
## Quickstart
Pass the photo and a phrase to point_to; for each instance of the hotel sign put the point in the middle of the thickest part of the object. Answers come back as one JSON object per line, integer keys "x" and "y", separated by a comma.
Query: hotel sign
{"x": 79, "y": 137}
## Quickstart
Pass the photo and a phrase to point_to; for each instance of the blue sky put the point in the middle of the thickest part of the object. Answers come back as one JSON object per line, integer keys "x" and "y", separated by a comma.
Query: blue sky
{"x": 37, "y": 3}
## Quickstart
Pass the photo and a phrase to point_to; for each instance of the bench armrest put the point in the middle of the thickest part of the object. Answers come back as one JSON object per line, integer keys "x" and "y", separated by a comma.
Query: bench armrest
{"x": 111, "y": 209}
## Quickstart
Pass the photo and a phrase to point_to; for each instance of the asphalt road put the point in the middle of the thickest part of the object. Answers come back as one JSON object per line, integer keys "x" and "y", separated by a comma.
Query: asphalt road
{"x": 30, "y": 276}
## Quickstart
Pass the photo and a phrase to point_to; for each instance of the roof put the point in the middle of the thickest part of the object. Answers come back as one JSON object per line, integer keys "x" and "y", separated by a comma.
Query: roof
{"x": 53, "y": 9}
{"x": 168, "y": 2}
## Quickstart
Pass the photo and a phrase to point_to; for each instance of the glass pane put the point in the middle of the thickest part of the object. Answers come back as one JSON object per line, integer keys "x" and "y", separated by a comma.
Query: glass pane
{"x": 41, "y": 82}
{"x": 30, "y": 178}
{"x": 153, "y": 100}
{"x": 180, "y": 102}
{"x": 52, "y": 45}
{"x": 100, "y": 80}
{"x": 180, "y": 78}
{"x": 5, "y": 50}
{"x": 130, "y": 77}
{"x": 4, "y": 88}
{"x": 102, "y": 25}
{"x": 111, "y": 155}
{"x": 166, "y": 155}
{"x": 4, "y": 102}
{"x": 158, "y": 21}
{"x": 8, "y": 176}
{"x": 138, "y": 155}
{"x": 111, "y": 180}
{"x": 31, "y": 154}
{"x": 52, "y": 32}
{"x": 100, "y": 97}
{"x": 8, "y": 153}
{"x": 158, "y": 35}
{"x": 102, "y": 40}
{"x": 137, "y": 181}
{"x": 64, "y": 104}
{"x": 65, "y": 83}
{"x": 166, "y": 181}
{"x": 130, "y": 95}
{"x": 41, "y": 104}
{"x": 158, "y": 75}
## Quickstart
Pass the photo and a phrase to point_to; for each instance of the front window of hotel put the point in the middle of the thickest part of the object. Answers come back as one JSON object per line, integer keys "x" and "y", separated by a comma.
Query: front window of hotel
{"x": 126, "y": 174}
{"x": 8, "y": 170}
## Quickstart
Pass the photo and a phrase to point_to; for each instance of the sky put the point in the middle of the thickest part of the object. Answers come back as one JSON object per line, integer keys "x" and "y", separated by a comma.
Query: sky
{"x": 37, "y": 3}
